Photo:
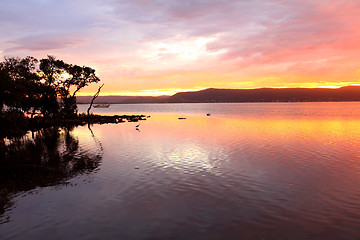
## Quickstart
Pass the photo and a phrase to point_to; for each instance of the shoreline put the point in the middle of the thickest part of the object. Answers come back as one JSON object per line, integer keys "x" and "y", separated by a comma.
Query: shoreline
{"x": 37, "y": 123}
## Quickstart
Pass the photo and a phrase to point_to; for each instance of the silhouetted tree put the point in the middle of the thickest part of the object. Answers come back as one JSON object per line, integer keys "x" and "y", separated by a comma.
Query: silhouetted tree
{"x": 19, "y": 78}
{"x": 34, "y": 87}
{"x": 6, "y": 88}
{"x": 63, "y": 77}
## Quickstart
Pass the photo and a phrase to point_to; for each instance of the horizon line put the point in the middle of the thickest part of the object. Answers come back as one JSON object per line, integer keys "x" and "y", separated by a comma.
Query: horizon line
{"x": 142, "y": 94}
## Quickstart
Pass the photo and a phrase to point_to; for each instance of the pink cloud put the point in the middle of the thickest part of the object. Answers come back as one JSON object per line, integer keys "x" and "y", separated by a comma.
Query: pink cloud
{"x": 45, "y": 43}
{"x": 254, "y": 36}
{"x": 306, "y": 28}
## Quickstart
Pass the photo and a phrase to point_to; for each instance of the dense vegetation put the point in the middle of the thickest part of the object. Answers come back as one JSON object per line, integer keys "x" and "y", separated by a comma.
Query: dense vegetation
{"x": 31, "y": 90}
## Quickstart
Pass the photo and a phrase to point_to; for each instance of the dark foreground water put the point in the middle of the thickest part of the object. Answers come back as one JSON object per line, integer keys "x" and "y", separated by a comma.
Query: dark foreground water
{"x": 247, "y": 171}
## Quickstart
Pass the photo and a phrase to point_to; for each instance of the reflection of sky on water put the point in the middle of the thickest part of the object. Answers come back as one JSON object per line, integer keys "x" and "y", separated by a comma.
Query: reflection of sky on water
{"x": 303, "y": 110}
{"x": 189, "y": 158}
{"x": 200, "y": 143}
{"x": 274, "y": 176}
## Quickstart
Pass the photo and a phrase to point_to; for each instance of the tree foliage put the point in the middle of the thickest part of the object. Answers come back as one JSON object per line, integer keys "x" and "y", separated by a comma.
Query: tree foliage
{"x": 47, "y": 87}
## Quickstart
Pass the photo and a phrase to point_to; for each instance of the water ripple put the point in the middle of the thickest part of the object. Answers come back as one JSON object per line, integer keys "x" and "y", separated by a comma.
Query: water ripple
{"x": 207, "y": 178}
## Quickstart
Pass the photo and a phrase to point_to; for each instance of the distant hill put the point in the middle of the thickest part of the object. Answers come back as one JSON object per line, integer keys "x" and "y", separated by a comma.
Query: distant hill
{"x": 350, "y": 93}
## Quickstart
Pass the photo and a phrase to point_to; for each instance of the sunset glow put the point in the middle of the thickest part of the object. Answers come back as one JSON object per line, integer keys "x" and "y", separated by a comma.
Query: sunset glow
{"x": 162, "y": 47}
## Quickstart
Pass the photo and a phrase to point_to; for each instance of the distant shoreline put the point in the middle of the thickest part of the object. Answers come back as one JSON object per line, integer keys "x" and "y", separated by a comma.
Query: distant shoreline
{"x": 213, "y": 95}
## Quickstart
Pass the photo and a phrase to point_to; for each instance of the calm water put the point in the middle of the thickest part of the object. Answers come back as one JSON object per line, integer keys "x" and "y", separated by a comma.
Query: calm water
{"x": 247, "y": 171}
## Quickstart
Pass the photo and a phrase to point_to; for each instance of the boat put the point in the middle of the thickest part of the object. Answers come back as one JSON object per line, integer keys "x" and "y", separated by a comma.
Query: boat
{"x": 101, "y": 105}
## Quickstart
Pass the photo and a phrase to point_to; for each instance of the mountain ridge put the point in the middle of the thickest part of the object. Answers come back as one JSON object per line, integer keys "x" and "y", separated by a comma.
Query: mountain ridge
{"x": 347, "y": 93}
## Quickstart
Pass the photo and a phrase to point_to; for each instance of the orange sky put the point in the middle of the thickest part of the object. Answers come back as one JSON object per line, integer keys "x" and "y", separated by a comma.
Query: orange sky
{"x": 159, "y": 47}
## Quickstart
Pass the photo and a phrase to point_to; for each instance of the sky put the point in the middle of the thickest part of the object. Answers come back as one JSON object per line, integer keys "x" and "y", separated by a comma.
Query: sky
{"x": 160, "y": 47}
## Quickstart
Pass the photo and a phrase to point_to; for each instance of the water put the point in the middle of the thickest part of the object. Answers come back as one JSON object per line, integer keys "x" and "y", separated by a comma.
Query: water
{"x": 247, "y": 171}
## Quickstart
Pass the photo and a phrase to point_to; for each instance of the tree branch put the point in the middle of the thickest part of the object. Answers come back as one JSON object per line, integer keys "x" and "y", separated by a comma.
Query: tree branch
{"x": 92, "y": 101}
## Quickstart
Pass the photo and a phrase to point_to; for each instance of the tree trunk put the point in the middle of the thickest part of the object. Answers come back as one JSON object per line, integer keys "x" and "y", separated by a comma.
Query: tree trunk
{"x": 92, "y": 101}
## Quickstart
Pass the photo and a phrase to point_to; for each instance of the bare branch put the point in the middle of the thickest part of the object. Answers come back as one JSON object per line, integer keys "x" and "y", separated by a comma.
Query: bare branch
{"x": 92, "y": 101}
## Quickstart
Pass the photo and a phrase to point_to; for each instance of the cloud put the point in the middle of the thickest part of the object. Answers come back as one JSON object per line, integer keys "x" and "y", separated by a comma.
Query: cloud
{"x": 49, "y": 15}
{"x": 44, "y": 43}
{"x": 230, "y": 39}
{"x": 248, "y": 32}
{"x": 297, "y": 28}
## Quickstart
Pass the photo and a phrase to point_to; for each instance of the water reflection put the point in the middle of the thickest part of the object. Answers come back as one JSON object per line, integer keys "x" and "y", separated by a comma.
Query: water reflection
{"x": 273, "y": 178}
{"x": 257, "y": 176}
{"x": 47, "y": 157}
